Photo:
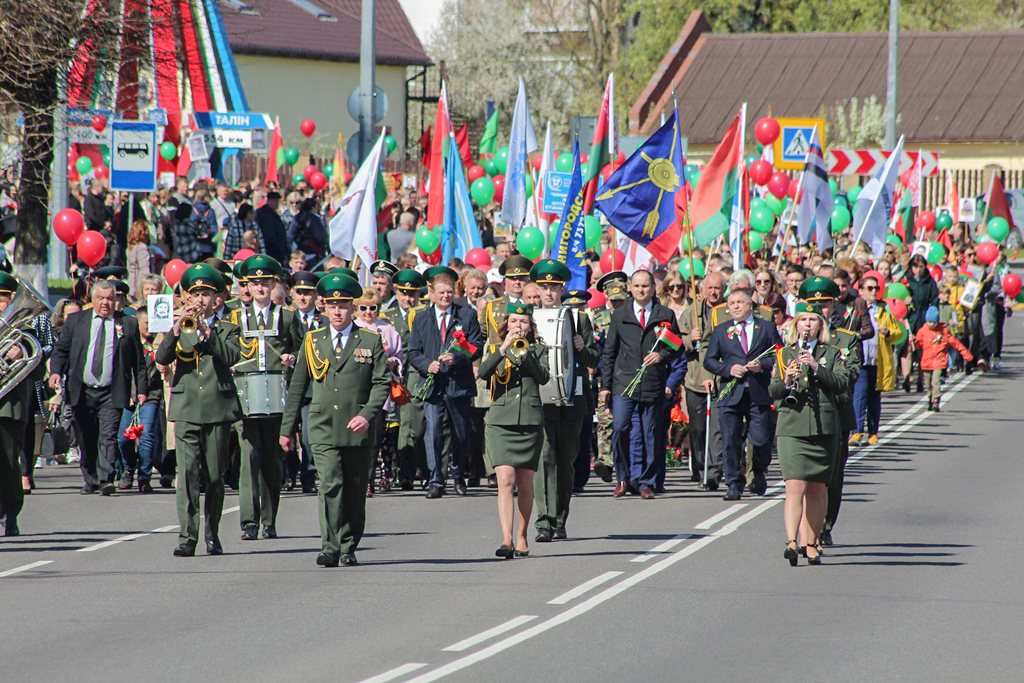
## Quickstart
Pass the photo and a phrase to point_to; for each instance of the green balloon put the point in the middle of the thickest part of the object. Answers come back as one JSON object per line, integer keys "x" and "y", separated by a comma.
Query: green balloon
{"x": 391, "y": 143}
{"x": 105, "y": 153}
{"x": 530, "y": 242}
{"x": 297, "y": 178}
{"x": 853, "y": 193}
{"x": 895, "y": 241}
{"x": 761, "y": 220}
{"x": 84, "y": 164}
{"x": 756, "y": 241}
{"x": 998, "y": 228}
{"x": 896, "y": 290}
{"x": 689, "y": 244}
{"x": 684, "y": 268}
{"x": 775, "y": 205}
{"x": 980, "y": 239}
{"x": 751, "y": 159}
{"x": 291, "y": 156}
{"x": 168, "y": 151}
{"x": 936, "y": 252}
{"x": 834, "y": 186}
{"x": 1020, "y": 297}
{"x": 840, "y": 219}
{"x": 427, "y": 240}
{"x": 696, "y": 178}
{"x": 564, "y": 162}
{"x": 690, "y": 172}
{"x": 758, "y": 203}
{"x": 502, "y": 159}
{"x": 482, "y": 191}
{"x": 944, "y": 221}
{"x": 529, "y": 186}
{"x": 592, "y": 232}
{"x": 491, "y": 167}
{"x": 328, "y": 170}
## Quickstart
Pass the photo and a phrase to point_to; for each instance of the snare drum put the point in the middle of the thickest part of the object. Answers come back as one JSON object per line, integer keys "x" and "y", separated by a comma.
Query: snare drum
{"x": 261, "y": 393}
{"x": 556, "y": 329}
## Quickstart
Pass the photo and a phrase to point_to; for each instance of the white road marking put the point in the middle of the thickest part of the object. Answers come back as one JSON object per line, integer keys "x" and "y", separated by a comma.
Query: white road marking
{"x": 583, "y": 588}
{"x": 395, "y": 673}
{"x": 711, "y": 521}
{"x": 165, "y": 529}
{"x": 24, "y": 568}
{"x": 114, "y": 541}
{"x": 490, "y": 633}
{"x": 230, "y": 510}
{"x": 662, "y": 548}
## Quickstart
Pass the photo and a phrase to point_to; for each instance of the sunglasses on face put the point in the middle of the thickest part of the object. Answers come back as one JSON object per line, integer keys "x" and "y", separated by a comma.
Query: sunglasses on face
{"x": 363, "y": 308}
{"x": 671, "y": 287}
{"x": 764, "y": 282}
{"x": 870, "y": 288}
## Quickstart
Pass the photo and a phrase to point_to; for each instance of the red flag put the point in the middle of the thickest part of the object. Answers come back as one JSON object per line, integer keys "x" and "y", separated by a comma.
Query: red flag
{"x": 954, "y": 202}
{"x": 442, "y": 127}
{"x": 462, "y": 140}
{"x": 276, "y": 143}
{"x": 600, "y": 154}
{"x": 945, "y": 240}
{"x": 996, "y": 201}
{"x": 185, "y": 158}
{"x": 425, "y": 146}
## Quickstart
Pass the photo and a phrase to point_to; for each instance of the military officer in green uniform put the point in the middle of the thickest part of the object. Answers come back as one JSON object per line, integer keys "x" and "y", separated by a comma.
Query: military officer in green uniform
{"x": 347, "y": 369}
{"x": 221, "y": 299}
{"x": 410, "y": 452}
{"x": 823, "y": 292}
{"x": 243, "y": 288}
{"x": 204, "y": 404}
{"x": 616, "y": 292}
{"x": 269, "y": 338}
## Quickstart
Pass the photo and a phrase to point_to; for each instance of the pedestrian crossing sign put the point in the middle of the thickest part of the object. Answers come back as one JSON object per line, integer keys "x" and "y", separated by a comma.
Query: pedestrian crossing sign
{"x": 793, "y": 141}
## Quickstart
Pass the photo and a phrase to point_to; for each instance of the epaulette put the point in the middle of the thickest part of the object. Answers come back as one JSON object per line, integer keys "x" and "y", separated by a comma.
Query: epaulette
{"x": 289, "y": 308}
{"x": 235, "y": 313}
{"x": 412, "y": 313}
{"x": 367, "y": 329}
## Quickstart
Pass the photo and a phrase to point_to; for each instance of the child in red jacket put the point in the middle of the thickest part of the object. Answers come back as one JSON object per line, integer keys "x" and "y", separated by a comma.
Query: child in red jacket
{"x": 934, "y": 340}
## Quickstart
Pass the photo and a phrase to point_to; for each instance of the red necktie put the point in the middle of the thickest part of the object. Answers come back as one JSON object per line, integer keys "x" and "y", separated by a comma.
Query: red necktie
{"x": 444, "y": 326}
{"x": 643, "y": 318}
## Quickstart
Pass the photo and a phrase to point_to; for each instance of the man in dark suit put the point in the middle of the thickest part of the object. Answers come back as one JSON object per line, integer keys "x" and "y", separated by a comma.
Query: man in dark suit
{"x": 632, "y": 343}
{"x": 453, "y": 385}
{"x": 275, "y": 234}
{"x": 746, "y": 408}
{"x": 100, "y": 353}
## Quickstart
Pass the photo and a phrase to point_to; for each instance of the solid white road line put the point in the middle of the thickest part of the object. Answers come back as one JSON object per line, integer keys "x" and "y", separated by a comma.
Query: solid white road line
{"x": 165, "y": 529}
{"x": 711, "y": 521}
{"x": 579, "y": 590}
{"x": 662, "y": 548}
{"x": 230, "y": 510}
{"x": 114, "y": 541}
{"x": 490, "y": 633}
{"x": 24, "y": 568}
{"x": 395, "y": 673}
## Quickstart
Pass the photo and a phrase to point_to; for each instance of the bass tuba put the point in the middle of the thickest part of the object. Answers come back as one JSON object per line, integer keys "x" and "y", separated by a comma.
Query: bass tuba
{"x": 24, "y": 307}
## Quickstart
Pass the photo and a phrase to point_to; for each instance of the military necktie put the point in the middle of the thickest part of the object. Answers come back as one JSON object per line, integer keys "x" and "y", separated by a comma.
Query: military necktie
{"x": 260, "y": 320}
{"x": 338, "y": 345}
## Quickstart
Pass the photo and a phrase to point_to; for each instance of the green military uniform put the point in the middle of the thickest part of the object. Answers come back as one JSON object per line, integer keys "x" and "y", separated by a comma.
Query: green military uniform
{"x": 349, "y": 379}
{"x": 264, "y": 337}
{"x": 204, "y": 403}
{"x": 553, "y": 484}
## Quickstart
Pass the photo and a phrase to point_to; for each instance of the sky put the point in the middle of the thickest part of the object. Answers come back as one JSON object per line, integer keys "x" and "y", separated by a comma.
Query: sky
{"x": 423, "y": 15}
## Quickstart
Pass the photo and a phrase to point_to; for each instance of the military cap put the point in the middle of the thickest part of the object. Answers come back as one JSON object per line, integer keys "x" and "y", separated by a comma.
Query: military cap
{"x": 382, "y": 267}
{"x": 121, "y": 287}
{"x": 304, "y": 280}
{"x": 261, "y": 266}
{"x": 408, "y": 280}
{"x": 804, "y": 307}
{"x": 518, "y": 309}
{"x": 239, "y": 273}
{"x": 516, "y": 265}
{"x": 433, "y": 272}
{"x": 110, "y": 273}
{"x": 201, "y": 276}
{"x": 550, "y": 271}
{"x": 613, "y": 285}
{"x": 342, "y": 270}
{"x": 818, "y": 288}
{"x": 335, "y": 287}
{"x": 8, "y": 283}
{"x": 223, "y": 268}
{"x": 576, "y": 297}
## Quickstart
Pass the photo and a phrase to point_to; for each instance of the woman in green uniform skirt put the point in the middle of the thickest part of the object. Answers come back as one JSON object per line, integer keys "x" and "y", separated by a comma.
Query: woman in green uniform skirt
{"x": 810, "y": 377}
{"x": 514, "y": 428}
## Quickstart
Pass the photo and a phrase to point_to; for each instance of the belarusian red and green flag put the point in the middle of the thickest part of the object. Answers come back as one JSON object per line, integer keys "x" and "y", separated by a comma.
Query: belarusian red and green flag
{"x": 711, "y": 204}
{"x": 489, "y": 141}
{"x": 602, "y": 149}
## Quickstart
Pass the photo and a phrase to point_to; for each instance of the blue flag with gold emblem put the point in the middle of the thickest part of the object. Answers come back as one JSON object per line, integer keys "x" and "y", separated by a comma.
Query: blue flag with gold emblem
{"x": 570, "y": 248}
{"x": 639, "y": 198}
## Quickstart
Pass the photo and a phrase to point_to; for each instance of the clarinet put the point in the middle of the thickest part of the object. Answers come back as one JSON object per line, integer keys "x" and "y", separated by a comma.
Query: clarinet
{"x": 791, "y": 399}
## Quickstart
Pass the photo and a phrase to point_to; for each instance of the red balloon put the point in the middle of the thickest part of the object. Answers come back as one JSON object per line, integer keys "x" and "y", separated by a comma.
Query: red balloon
{"x": 597, "y": 299}
{"x": 584, "y": 159}
{"x": 91, "y": 247}
{"x": 767, "y": 131}
{"x": 173, "y": 271}
{"x": 99, "y": 122}
{"x": 987, "y": 252}
{"x": 348, "y": 178}
{"x": 73, "y": 174}
{"x": 925, "y": 221}
{"x": 499, "y": 187}
{"x": 879, "y": 278}
{"x": 1011, "y": 285}
{"x": 432, "y": 259}
{"x": 308, "y": 127}
{"x": 606, "y": 172}
{"x": 897, "y": 308}
{"x": 537, "y": 161}
{"x": 936, "y": 272}
{"x": 620, "y": 159}
{"x": 479, "y": 258}
{"x": 243, "y": 254}
{"x": 68, "y": 225}
{"x": 474, "y": 172}
{"x": 308, "y": 172}
{"x": 318, "y": 180}
{"x": 761, "y": 172}
{"x": 779, "y": 184}
{"x": 101, "y": 171}
{"x": 607, "y": 263}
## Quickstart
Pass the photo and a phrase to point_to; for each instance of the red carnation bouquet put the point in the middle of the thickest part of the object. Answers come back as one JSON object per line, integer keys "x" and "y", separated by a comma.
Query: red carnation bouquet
{"x": 135, "y": 429}
{"x": 458, "y": 344}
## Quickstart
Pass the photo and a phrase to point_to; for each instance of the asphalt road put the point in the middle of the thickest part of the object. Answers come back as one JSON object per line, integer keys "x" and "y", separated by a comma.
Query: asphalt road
{"x": 923, "y": 584}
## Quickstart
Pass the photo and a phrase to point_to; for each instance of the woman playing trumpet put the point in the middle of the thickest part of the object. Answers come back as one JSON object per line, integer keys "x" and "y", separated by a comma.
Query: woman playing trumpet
{"x": 514, "y": 426}
{"x": 811, "y": 376}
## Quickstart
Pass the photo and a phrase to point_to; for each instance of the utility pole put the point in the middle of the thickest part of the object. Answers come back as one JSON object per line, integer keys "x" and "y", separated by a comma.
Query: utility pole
{"x": 367, "y": 63}
{"x": 890, "y": 86}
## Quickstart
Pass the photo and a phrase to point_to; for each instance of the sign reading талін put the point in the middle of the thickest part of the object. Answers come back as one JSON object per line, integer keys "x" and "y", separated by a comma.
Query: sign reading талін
{"x": 556, "y": 191}
{"x": 231, "y": 130}
{"x": 793, "y": 141}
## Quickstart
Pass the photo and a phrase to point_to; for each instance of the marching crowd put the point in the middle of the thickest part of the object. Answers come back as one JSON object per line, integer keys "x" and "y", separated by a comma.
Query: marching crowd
{"x": 282, "y": 372}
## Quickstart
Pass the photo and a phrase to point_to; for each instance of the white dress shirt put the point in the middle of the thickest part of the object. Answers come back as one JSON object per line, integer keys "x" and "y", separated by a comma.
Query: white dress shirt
{"x": 646, "y": 309}
{"x": 344, "y": 334}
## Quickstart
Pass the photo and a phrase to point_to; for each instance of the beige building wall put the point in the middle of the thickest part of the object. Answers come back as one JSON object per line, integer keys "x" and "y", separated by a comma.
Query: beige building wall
{"x": 297, "y": 89}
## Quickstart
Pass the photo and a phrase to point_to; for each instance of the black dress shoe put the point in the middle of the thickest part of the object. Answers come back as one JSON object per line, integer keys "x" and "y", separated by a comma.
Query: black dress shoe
{"x": 185, "y": 550}
{"x": 712, "y": 485}
{"x": 11, "y": 528}
{"x": 249, "y": 533}
{"x": 309, "y": 488}
{"x": 759, "y": 486}
{"x": 459, "y": 487}
{"x": 107, "y": 489}
{"x": 349, "y": 559}
{"x": 144, "y": 487}
{"x": 269, "y": 531}
{"x": 214, "y": 548}
{"x": 407, "y": 485}
{"x": 88, "y": 490}
{"x": 560, "y": 533}
{"x": 733, "y": 493}
{"x": 434, "y": 492}
{"x": 825, "y": 538}
{"x": 326, "y": 560}
{"x": 166, "y": 481}
{"x": 604, "y": 471}
{"x": 544, "y": 535}
{"x": 504, "y": 552}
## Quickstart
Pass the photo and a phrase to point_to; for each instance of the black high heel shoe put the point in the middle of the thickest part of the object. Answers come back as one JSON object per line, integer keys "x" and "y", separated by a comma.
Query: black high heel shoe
{"x": 790, "y": 553}
{"x": 504, "y": 552}
{"x": 816, "y": 560}
{"x": 522, "y": 553}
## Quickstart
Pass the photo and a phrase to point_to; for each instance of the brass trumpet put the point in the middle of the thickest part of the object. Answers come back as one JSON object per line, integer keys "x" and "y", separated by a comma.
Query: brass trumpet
{"x": 189, "y": 331}
{"x": 519, "y": 347}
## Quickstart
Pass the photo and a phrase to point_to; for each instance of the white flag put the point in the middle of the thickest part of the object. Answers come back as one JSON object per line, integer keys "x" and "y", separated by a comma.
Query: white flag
{"x": 547, "y": 163}
{"x": 816, "y": 201}
{"x": 522, "y": 141}
{"x": 354, "y": 228}
{"x": 874, "y": 205}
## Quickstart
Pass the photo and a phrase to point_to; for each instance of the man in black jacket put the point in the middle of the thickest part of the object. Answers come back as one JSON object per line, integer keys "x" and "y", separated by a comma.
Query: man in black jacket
{"x": 631, "y": 343}
{"x": 100, "y": 354}
{"x": 275, "y": 235}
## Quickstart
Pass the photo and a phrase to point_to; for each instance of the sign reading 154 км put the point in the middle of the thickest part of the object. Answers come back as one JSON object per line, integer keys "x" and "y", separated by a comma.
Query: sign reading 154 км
{"x": 133, "y": 149}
